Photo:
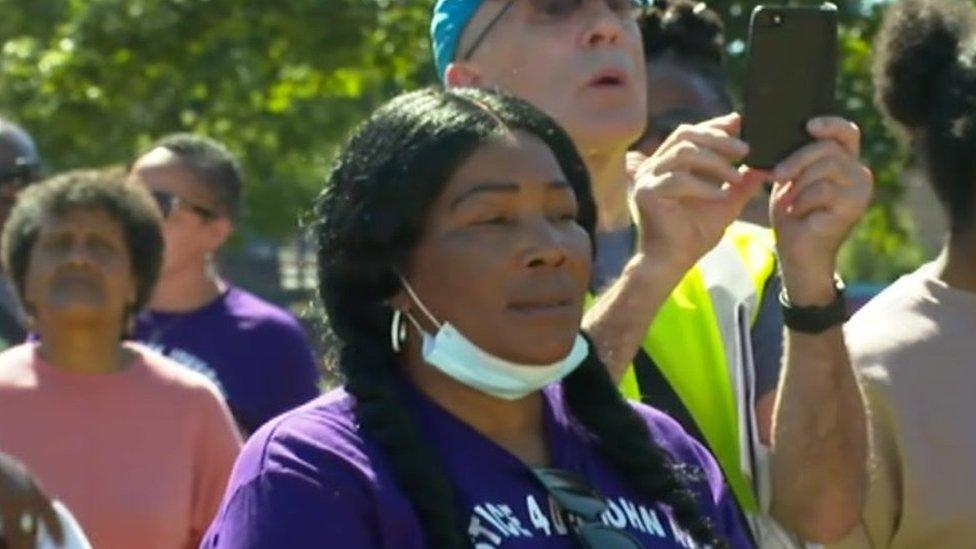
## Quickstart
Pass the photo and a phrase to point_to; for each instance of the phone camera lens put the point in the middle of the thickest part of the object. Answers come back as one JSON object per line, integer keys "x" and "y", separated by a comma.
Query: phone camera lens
{"x": 777, "y": 19}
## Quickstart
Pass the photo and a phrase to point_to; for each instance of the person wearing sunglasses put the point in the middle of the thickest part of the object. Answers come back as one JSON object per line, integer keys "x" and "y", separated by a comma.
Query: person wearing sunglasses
{"x": 258, "y": 353}
{"x": 138, "y": 447}
{"x": 662, "y": 300}
{"x": 454, "y": 255}
{"x": 20, "y": 165}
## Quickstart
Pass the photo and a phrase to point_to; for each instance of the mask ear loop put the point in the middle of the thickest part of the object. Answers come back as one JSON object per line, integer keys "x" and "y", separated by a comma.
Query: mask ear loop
{"x": 398, "y": 329}
{"x": 420, "y": 304}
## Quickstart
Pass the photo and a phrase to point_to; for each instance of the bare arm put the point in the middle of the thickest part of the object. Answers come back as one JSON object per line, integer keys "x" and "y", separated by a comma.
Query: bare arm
{"x": 619, "y": 320}
{"x": 819, "y": 456}
{"x": 686, "y": 194}
{"x": 820, "y": 439}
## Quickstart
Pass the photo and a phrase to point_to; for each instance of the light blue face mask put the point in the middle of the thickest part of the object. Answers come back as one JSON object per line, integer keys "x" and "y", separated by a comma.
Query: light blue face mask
{"x": 460, "y": 359}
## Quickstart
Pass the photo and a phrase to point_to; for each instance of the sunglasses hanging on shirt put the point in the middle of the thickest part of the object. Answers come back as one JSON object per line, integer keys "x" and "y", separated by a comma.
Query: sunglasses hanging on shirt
{"x": 584, "y": 502}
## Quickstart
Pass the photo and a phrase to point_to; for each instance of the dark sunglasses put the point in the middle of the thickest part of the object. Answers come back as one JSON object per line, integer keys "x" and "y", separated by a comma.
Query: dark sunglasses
{"x": 581, "y": 500}
{"x": 168, "y": 202}
{"x": 22, "y": 174}
{"x": 558, "y": 10}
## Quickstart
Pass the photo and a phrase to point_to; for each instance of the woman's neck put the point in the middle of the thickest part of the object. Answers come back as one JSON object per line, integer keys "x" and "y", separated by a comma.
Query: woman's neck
{"x": 611, "y": 189}
{"x": 87, "y": 350}
{"x": 956, "y": 265}
{"x": 515, "y": 425}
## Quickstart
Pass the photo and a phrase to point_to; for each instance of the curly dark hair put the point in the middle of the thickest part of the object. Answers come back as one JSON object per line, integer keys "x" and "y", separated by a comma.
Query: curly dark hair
{"x": 104, "y": 190}
{"x": 689, "y": 35}
{"x": 925, "y": 85}
{"x": 370, "y": 217}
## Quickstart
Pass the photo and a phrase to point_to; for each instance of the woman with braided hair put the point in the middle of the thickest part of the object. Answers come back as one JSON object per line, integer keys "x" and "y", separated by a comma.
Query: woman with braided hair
{"x": 454, "y": 253}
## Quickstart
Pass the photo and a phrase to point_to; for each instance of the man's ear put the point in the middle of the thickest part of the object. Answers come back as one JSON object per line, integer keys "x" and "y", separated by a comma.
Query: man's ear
{"x": 462, "y": 74}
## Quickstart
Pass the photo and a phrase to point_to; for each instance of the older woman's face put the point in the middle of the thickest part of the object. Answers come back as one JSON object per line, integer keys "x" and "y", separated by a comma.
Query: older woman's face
{"x": 502, "y": 257}
{"x": 80, "y": 270}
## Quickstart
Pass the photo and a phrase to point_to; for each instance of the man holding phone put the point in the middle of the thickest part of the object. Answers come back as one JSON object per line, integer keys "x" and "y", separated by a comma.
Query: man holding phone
{"x": 581, "y": 61}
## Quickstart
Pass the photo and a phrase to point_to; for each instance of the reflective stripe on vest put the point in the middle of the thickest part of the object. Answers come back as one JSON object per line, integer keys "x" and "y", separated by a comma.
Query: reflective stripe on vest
{"x": 708, "y": 362}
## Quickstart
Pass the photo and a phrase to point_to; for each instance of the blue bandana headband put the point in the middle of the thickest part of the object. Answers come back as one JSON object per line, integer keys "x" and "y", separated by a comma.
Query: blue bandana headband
{"x": 450, "y": 19}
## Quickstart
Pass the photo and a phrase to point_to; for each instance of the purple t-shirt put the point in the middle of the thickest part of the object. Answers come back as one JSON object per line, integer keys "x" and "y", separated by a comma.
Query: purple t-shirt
{"x": 256, "y": 353}
{"x": 311, "y": 479}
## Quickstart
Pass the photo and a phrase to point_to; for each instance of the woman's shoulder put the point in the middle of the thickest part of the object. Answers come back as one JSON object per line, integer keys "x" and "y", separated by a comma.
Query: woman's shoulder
{"x": 307, "y": 476}
{"x": 320, "y": 438}
{"x": 171, "y": 376}
{"x": 691, "y": 458}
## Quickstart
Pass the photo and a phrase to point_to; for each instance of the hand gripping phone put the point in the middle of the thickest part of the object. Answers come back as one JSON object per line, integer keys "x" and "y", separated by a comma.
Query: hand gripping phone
{"x": 790, "y": 78}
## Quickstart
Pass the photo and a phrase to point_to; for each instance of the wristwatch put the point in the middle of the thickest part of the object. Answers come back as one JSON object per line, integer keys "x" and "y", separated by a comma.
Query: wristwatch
{"x": 815, "y": 320}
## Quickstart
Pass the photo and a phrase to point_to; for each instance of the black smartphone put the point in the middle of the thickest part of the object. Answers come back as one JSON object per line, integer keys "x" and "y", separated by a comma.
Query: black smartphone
{"x": 791, "y": 77}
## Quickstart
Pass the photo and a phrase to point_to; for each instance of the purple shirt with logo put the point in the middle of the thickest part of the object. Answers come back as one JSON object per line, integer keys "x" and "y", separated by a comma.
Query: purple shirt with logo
{"x": 256, "y": 353}
{"x": 311, "y": 479}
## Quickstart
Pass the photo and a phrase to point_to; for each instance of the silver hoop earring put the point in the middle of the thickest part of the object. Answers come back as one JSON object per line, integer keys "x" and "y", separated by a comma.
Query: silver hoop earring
{"x": 398, "y": 331}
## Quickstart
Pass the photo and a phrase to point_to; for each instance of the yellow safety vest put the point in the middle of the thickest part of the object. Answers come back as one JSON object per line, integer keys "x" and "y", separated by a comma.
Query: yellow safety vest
{"x": 700, "y": 342}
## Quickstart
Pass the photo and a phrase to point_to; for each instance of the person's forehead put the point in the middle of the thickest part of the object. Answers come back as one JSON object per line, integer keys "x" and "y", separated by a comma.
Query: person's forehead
{"x": 486, "y": 13}
{"x": 87, "y": 218}
{"x": 520, "y": 158}
{"x": 163, "y": 169}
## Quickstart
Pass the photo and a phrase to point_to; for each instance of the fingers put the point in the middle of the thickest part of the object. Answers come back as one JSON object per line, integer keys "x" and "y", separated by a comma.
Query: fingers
{"x": 730, "y": 123}
{"x": 634, "y": 161}
{"x": 836, "y": 137}
{"x": 848, "y": 180}
{"x": 830, "y": 168}
{"x": 714, "y": 137}
{"x": 746, "y": 189}
{"x": 801, "y": 160}
{"x": 679, "y": 186}
{"x": 818, "y": 195}
{"x": 838, "y": 129}
{"x": 690, "y": 157}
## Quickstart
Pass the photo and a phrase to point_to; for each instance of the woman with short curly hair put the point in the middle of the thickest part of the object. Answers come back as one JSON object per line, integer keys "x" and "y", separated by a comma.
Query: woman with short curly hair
{"x": 138, "y": 447}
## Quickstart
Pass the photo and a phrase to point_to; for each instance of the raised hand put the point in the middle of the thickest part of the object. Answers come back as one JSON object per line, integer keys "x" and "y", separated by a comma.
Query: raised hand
{"x": 821, "y": 191}
{"x": 689, "y": 191}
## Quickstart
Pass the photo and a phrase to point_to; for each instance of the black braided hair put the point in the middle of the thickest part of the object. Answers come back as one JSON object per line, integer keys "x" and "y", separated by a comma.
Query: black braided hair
{"x": 689, "y": 35}
{"x": 369, "y": 218}
{"x": 925, "y": 84}
{"x": 626, "y": 443}
{"x": 683, "y": 28}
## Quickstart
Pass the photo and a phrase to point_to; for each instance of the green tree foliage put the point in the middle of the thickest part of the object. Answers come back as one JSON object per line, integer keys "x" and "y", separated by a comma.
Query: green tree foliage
{"x": 279, "y": 81}
{"x": 282, "y": 81}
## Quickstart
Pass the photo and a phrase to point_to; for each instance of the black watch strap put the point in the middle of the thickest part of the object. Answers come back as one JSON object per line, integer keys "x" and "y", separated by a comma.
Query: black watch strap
{"x": 815, "y": 320}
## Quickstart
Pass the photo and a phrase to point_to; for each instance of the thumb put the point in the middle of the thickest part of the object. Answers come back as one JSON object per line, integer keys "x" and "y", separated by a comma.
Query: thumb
{"x": 744, "y": 191}
{"x": 634, "y": 161}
